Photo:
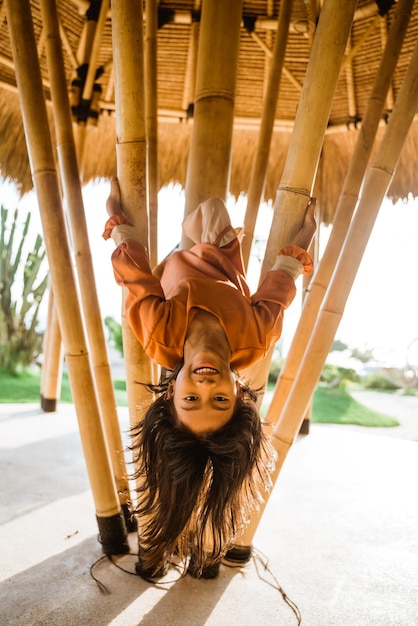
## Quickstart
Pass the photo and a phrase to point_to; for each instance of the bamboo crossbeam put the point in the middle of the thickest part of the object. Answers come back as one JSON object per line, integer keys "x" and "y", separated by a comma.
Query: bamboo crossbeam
{"x": 258, "y": 174}
{"x": 131, "y": 158}
{"x": 375, "y": 187}
{"x": 67, "y": 47}
{"x": 354, "y": 50}
{"x": 210, "y": 151}
{"x": 79, "y": 235}
{"x": 297, "y": 84}
{"x": 345, "y": 207}
{"x": 41, "y": 156}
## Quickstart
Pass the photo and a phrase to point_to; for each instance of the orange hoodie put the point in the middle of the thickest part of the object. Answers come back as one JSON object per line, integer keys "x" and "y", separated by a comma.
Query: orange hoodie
{"x": 205, "y": 277}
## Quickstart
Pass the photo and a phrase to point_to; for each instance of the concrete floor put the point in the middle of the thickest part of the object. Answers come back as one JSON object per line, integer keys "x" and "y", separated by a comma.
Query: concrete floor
{"x": 340, "y": 533}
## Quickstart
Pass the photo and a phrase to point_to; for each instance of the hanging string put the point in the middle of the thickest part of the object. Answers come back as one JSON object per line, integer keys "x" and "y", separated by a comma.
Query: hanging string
{"x": 260, "y": 561}
{"x": 158, "y": 583}
{"x": 103, "y": 589}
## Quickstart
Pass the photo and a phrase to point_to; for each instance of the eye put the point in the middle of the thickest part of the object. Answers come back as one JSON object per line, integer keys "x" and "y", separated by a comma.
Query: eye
{"x": 220, "y": 399}
{"x": 191, "y": 398}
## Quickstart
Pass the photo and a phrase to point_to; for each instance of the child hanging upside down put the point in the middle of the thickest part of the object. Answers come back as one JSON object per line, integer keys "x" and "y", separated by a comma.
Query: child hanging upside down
{"x": 201, "y": 452}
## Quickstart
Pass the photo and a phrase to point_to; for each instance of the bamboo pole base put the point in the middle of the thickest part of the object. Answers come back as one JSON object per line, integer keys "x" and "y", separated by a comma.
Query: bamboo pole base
{"x": 112, "y": 534}
{"x": 305, "y": 426}
{"x": 238, "y": 555}
{"x": 48, "y": 405}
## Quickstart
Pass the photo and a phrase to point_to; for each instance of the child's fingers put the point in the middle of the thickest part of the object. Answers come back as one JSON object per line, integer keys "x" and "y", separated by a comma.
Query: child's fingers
{"x": 310, "y": 212}
{"x": 113, "y": 201}
{"x": 114, "y": 189}
{"x": 310, "y": 209}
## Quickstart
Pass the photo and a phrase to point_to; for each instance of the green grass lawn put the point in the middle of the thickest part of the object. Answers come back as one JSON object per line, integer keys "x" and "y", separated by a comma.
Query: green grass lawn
{"x": 331, "y": 406}
{"x": 336, "y": 406}
{"x": 25, "y": 387}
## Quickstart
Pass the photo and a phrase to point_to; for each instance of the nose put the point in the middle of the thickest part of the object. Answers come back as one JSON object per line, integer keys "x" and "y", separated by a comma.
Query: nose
{"x": 207, "y": 380}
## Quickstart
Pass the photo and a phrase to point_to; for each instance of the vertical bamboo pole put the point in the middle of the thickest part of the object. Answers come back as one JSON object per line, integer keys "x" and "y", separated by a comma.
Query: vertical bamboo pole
{"x": 53, "y": 359}
{"x": 375, "y": 187}
{"x": 258, "y": 174}
{"x": 90, "y": 302}
{"x": 305, "y": 146}
{"x": 151, "y": 22}
{"x": 210, "y": 151}
{"x": 310, "y": 124}
{"x": 131, "y": 155}
{"x": 345, "y": 207}
{"x": 109, "y": 516}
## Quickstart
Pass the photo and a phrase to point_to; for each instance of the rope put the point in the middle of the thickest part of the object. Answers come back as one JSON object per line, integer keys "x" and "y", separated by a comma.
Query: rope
{"x": 260, "y": 563}
{"x": 260, "y": 559}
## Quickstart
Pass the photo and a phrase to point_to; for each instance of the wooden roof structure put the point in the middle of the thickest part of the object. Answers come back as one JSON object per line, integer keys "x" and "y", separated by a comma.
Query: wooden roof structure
{"x": 178, "y": 26}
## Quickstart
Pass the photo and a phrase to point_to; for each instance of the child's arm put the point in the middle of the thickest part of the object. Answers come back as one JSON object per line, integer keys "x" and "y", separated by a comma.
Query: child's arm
{"x": 146, "y": 307}
{"x": 278, "y": 287}
{"x": 294, "y": 259}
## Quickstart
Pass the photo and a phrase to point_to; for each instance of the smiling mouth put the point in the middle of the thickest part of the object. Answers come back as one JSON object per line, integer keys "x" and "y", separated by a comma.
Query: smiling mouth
{"x": 204, "y": 369}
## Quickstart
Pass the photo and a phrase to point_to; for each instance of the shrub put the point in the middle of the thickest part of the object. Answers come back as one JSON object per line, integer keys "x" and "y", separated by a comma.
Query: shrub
{"x": 335, "y": 376}
{"x": 20, "y": 340}
{"x": 378, "y": 380}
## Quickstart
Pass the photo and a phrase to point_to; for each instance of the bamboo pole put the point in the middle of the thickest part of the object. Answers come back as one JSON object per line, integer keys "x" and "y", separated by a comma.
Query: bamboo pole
{"x": 345, "y": 207}
{"x": 304, "y": 150}
{"x": 210, "y": 151}
{"x": 375, "y": 187}
{"x": 258, "y": 174}
{"x": 28, "y": 77}
{"x": 151, "y": 105}
{"x": 131, "y": 156}
{"x": 310, "y": 124}
{"x": 53, "y": 359}
{"x": 87, "y": 55}
{"x": 90, "y": 302}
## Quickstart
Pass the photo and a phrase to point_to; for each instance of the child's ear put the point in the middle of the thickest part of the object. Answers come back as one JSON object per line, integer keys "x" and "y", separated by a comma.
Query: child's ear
{"x": 238, "y": 388}
{"x": 170, "y": 389}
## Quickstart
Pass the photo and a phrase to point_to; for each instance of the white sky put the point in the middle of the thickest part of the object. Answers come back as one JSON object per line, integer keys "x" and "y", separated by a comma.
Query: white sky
{"x": 382, "y": 309}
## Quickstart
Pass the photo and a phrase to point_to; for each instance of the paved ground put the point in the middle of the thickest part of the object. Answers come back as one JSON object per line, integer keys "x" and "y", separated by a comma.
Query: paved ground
{"x": 339, "y": 531}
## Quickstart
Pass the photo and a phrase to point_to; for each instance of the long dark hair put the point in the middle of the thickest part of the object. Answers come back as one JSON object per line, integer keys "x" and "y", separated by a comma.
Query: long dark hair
{"x": 195, "y": 493}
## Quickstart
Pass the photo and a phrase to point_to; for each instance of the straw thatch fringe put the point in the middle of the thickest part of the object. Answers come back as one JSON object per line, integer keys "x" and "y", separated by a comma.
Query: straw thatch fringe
{"x": 174, "y": 144}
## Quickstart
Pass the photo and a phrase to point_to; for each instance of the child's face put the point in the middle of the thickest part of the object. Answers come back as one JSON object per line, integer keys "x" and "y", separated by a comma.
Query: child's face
{"x": 204, "y": 392}
{"x": 204, "y": 395}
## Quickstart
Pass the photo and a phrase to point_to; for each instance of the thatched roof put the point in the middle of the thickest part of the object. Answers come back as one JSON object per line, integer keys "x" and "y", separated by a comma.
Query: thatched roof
{"x": 175, "y": 98}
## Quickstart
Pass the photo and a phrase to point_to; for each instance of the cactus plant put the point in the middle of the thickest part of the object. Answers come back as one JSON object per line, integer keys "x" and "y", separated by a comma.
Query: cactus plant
{"x": 20, "y": 339}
